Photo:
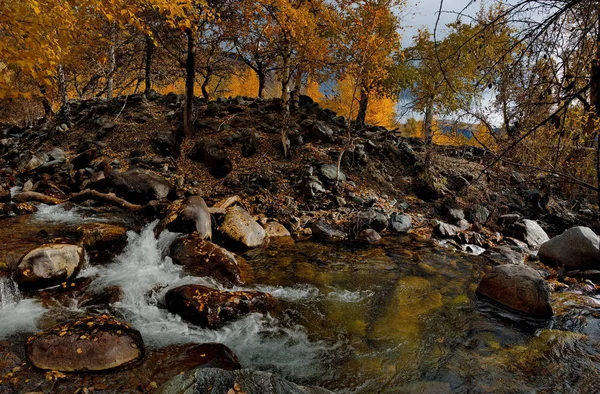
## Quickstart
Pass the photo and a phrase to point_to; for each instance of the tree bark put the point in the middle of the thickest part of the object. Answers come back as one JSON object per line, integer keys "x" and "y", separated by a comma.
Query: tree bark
{"x": 48, "y": 112}
{"x": 205, "y": 83}
{"x": 64, "y": 98}
{"x": 112, "y": 58}
{"x": 148, "y": 65}
{"x": 190, "y": 76}
{"x": 363, "y": 104}
{"x": 262, "y": 81}
{"x": 428, "y": 124}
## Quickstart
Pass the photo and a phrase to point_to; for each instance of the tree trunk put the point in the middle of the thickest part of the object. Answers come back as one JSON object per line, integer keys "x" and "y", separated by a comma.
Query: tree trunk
{"x": 595, "y": 104}
{"x": 285, "y": 98}
{"x": 428, "y": 123}
{"x": 205, "y": 83}
{"x": 148, "y": 66}
{"x": 262, "y": 81}
{"x": 190, "y": 66}
{"x": 363, "y": 104}
{"x": 112, "y": 58}
{"x": 48, "y": 112}
{"x": 64, "y": 99}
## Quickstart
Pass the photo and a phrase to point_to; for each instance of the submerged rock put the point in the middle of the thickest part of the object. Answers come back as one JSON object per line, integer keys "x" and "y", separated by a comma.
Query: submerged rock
{"x": 218, "y": 381}
{"x": 96, "y": 343}
{"x": 575, "y": 249}
{"x": 208, "y": 307}
{"x": 239, "y": 226}
{"x": 49, "y": 265}
{"x": 518, "y": 287}
{"x": 203, "y": 258}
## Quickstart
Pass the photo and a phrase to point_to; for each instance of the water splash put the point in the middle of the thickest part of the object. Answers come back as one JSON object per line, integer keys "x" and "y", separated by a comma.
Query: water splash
{"x": 295, "y": 293}
{"x": 58, "y": 214}
{"x": 350, "y": 296}
{"x": 17, "y": 315}
{"x": 145, "y": 273}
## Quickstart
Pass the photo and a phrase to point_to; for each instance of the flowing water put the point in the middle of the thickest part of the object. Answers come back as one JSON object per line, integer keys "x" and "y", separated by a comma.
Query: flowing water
{"x": 399, "y": 317}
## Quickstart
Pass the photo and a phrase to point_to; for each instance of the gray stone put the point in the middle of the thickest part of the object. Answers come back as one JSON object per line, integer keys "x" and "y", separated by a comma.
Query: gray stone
{"x": 369, "y": 235}
{"x": 139, "y": 186}
{"x": 445, "y": 230}
{"x": 503, "y": 255}
{"x": 519, "y": 288}
{"x": 508, "y": 219}
{"x": 219, "y": 381}
{"x": 456, "y": 214}
{"x": 533, "y": 234}
{"x": 479, "y": 214}
{"x": 370, "y": 219}
{"x": 400, "y": 223}
{"x": 330, "y": 172}
{"x": 462, "y": 224}
{"x": 575, "y": 249}
{"x": 323, "y": 230}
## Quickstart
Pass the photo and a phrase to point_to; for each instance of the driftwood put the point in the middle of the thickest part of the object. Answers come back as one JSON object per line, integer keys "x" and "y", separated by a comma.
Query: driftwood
{"x": 35, "y": 196}
{"x": 87, "y": 194}
{"x": 226, "y": 203}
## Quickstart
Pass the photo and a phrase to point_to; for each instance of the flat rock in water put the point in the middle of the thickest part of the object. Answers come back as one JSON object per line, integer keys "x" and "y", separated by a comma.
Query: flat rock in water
{"x": 240, "y": 226}
{"x": 96, "y": 343}
{"x": 208, "y": 307}
{"x": 49, "y": 265}
{"x": 575, "y": 249}
{"x": 247, "y": 381}
{"x": 518, "y": 287}
{"x": 203, "y": 258}
{"x": 369, "y": 235}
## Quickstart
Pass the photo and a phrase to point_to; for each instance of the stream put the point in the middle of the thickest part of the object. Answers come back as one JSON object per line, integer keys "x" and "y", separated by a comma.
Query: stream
{"x": 398, "y": 317}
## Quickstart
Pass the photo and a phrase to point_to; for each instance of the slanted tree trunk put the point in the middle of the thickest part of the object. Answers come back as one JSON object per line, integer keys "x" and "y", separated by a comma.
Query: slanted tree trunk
{"x": 363, "y": 104}
{"x": 190, "y": 76}
{"x": 112, "y": 58}
{"x": 148, "y": 65}
{"x": 205, "y": 83}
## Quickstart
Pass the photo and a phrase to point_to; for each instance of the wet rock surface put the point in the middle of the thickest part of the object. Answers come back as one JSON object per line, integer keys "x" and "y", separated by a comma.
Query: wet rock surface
{"x": 208, "y": 307}
{"x": 49, "y": 265}
{"x": 203, "y": 258}
{"x": 321, "y": 229}
{"x": 92, "y": 344}
{"x": 216, "y": 381}
{"x": 518, "y": 287}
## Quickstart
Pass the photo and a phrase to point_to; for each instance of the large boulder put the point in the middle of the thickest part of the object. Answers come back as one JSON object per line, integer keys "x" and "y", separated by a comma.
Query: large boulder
{"x": 218, "y": 381}
{"x": 49, "y": 265}
{"x": 518, "y": 287}
{"x": 188, "y": 216}
{"x": 139, "y": 186}
{"x": 96, "y": 343}
{"x": 240, "y": 227}
{"x": 212, "y": 308}
{"x": 102, "y": 241}
{"x": 575, "y": 249}
{"x": 203, "y": 258}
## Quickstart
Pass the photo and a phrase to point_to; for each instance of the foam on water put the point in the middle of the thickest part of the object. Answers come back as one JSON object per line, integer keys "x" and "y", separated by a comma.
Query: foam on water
{"x": 145, "y": 273}
{"x": 349, "y": 296}
{"x": 58, "y": 214}
{"x": 295, "y": 293}
{"x": 14, "y": 190}
{"x": 17, "y": 315}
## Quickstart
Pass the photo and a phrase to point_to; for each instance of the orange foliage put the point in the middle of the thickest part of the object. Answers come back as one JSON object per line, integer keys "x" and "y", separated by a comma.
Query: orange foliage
{"x": 244, "y": 84}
